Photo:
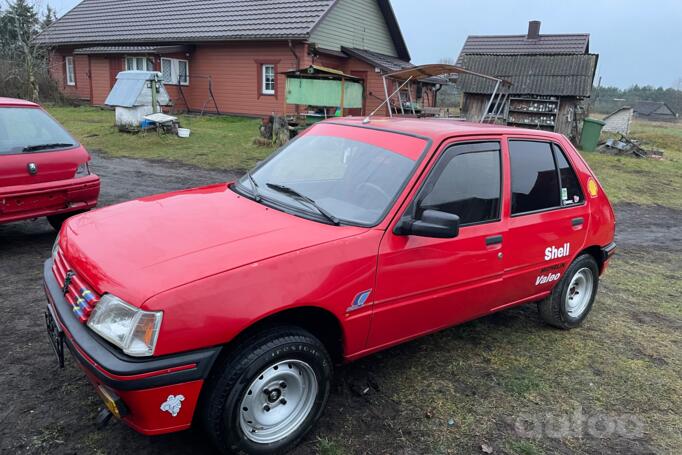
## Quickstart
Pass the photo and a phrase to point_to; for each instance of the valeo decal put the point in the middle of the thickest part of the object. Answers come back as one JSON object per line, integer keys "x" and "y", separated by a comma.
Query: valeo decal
{"x": 592, "y": 187}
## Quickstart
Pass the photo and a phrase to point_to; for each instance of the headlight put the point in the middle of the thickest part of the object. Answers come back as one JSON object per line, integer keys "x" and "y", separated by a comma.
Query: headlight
{"x": 83, "y": 170}
{"x": 131, "y": 329}
{"x": 55, "y": 248}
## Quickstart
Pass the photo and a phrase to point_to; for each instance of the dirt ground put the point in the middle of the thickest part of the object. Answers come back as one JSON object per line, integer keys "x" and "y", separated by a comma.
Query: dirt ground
{"x": 441, "y": 394}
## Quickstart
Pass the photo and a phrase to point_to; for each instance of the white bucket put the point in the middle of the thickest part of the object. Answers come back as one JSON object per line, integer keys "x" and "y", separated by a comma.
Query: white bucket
{"x": 183, "y": 132}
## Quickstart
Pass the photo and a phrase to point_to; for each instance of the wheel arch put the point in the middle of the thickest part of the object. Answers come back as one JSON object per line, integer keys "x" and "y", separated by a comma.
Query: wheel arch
{"x": 596, "y": 252}
{"x": 321, "y": 323}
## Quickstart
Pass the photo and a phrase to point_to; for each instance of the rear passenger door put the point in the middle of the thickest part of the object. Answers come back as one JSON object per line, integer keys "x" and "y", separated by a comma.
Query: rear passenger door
{"x": 548, "y": 218}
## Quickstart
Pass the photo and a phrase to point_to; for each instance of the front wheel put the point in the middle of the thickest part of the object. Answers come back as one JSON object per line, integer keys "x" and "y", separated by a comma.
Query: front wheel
{"x": 572, "y": 298}
{"x": 268, "y": 393}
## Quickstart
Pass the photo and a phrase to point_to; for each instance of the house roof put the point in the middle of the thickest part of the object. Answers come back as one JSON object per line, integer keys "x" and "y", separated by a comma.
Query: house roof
{"x": 556, "y": 75}
{"x": 132, "y": 50}
{"x": 111, "y": 22}
{"x": 649, "y": 107}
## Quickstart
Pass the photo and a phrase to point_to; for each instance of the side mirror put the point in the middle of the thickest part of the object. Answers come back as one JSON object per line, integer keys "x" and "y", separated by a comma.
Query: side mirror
{"x": 433, "y": 223}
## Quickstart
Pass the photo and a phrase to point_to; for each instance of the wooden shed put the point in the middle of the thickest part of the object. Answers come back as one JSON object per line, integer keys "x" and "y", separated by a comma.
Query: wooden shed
{"x": 551, "y": 76}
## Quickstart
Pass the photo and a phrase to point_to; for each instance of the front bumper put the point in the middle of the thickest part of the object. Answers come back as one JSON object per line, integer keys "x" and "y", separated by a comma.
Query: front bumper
{"x": 50, "y": 198}
{"x": 143, "y": 385}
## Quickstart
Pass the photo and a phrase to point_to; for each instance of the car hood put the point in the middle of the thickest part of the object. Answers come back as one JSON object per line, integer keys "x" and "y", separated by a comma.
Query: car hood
{"x": 140, "y": 248}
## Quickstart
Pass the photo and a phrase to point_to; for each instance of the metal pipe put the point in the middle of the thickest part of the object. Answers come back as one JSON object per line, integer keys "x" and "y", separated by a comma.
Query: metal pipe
{"x": 390, "y": 111}
{"x": 409, "y": 91}
{"x": 366, "y": 120}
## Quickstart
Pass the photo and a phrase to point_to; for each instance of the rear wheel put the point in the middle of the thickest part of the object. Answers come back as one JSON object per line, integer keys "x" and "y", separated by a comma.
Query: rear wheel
{"x": 572, "y": 298}
{"x": 266, "y": 395}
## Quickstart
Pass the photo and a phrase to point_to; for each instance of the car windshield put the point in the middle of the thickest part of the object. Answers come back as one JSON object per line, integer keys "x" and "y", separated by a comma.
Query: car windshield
{"x": 26, "y": 130}
{"x": 338, "y": 173}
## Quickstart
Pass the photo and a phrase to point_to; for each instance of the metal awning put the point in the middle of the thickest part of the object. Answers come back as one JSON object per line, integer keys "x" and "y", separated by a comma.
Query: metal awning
{"x": 438, "y": 69}
{"x": 405, "y": 76}
{"x": 321, "y": 72}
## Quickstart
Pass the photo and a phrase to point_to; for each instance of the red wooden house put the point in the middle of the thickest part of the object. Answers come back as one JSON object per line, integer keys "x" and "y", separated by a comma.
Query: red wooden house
{"x": 239, "y": 47}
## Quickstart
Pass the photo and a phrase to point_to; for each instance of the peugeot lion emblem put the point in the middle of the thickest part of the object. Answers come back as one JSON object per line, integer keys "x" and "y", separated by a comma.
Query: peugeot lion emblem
{"x": 32, "y": 168}
{"x": 67, "y": 281}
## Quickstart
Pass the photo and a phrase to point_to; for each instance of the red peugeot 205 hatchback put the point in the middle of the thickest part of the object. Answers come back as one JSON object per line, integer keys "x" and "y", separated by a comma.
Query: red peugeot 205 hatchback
{"x": 43, "y": 170}
{"x": 230, "y": 304}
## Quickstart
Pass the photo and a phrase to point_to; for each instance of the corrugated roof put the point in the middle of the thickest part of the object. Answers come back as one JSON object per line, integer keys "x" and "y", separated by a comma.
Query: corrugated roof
{"x": 118, "y": 21}
{"x": 558, "y": 75}
{"x": 112, "y": 22}
{"x": 649, "y": 107}
{"x": 575, "y": 43}
{"x": 131, "y": 89}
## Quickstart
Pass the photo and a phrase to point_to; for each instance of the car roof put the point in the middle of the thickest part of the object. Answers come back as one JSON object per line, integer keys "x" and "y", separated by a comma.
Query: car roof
{"x": 438, "y": 129}
{"x": 14, "y": 102}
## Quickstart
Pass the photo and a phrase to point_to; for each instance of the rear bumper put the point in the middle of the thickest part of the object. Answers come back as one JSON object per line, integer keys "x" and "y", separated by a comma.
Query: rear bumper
{"x": 142, "y": 384}
{"x": 22, "y": 202}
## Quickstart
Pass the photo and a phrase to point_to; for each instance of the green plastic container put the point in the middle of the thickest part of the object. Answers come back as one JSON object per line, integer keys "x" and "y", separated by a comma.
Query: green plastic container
{"x": 589, "y": 139}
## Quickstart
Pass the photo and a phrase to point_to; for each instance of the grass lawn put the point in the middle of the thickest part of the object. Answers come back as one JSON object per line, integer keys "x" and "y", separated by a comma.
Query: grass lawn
{"x": 216, "y": 141}
{"x": 644, "y": 181}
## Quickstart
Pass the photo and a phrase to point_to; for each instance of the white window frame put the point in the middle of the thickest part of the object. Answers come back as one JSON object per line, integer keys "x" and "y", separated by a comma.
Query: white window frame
{"x": 264, "y": 81}
{"x": 175, "y": 71}
{"x": 70, "y": 71}
{"x": 148, "y": 63}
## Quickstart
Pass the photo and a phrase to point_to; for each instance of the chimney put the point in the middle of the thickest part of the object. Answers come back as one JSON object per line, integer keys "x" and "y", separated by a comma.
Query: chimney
{"x": 533, "y": 30}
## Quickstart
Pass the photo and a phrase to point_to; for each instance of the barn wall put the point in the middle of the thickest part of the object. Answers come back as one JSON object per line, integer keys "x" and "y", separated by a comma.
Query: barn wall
{"x": 473, "y": 106}
{"x": 567, "y": 107}
{"x": 619, "y": 122}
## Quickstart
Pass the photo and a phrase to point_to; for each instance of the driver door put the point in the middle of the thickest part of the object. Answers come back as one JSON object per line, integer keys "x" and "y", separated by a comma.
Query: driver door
{"x": 425, "y": 284}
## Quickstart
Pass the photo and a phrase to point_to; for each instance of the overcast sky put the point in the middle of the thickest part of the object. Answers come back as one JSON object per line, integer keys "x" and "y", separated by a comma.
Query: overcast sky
{"x": 638, "y": 42}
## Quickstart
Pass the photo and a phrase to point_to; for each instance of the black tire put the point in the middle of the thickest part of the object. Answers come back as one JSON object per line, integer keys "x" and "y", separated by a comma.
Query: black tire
{"x": 553, "y": 310}
{"x": 232, "y": 376}
{"x": 56, "y": 221}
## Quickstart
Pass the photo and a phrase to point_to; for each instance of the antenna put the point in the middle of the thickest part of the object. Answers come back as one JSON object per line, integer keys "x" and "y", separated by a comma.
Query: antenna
{"x": 388, "y": 98}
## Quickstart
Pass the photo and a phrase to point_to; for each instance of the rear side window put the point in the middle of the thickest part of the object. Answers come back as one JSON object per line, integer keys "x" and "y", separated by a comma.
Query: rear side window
{"x": 466, "y": 182}
{"x": 535, "y": 182}
{"x": 571, "y": 193}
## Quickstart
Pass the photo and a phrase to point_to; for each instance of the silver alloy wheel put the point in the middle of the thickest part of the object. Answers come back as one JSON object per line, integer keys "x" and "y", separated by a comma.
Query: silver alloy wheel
{"x": 278, "y": 401}
{"x": 579, "y": 292}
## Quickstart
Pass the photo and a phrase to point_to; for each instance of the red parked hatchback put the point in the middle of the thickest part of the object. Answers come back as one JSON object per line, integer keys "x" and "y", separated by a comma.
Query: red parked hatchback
{"x": 230, "y": 304}
{"x": 43, "y": 170}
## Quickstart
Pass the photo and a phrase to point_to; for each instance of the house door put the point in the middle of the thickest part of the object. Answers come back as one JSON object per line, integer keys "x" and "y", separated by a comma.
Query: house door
{"x": 424, "y": 284}
{"x": 356, "y": 111}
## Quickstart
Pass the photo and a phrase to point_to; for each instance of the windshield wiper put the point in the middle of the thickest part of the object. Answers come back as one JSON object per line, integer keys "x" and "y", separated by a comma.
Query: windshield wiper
{"x": 34, "y": 148}
{"x": 254, "y": 187}
{"x": 292, "y": 192}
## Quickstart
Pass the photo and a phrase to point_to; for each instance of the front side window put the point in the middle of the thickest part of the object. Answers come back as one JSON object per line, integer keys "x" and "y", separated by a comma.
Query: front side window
{"x": 355, "y": 174}
{"x": 466, "y": 182}
{"x": 70, "y": 71}
{"x": 175, "y": 71}
{"x": 534, "y": 178}
{"x": 268, "y": 79}
{"x": 27, "y": 130}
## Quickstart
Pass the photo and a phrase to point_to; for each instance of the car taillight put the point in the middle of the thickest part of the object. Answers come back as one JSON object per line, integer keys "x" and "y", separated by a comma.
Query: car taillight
{"x": 83, "y": 170}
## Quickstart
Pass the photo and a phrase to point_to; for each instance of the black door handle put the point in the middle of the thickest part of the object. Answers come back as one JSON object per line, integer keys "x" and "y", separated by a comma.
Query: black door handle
{"x": 493, "y": 240}
{"x": 578, "y": 221}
